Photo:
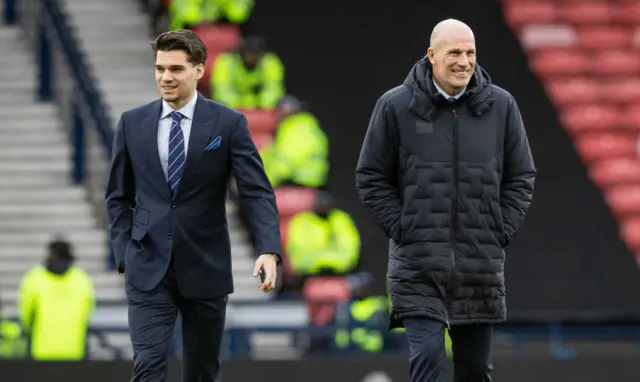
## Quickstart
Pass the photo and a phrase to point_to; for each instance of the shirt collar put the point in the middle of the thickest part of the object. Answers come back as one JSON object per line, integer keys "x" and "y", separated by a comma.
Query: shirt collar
{"x": 447, "y": 96}
{"x": 186, "y": 111}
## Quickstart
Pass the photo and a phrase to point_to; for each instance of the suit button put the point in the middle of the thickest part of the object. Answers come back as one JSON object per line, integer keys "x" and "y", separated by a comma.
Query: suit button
{"x": 169, "y": 236}
{"x": 173, "y": 206}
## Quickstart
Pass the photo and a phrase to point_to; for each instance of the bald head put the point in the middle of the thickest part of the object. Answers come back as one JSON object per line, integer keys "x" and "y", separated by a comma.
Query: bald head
{"x": 452, "y": 53}
{"x": 447, "y": 29}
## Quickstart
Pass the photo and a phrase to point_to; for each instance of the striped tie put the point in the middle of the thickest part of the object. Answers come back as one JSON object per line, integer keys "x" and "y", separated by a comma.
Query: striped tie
{"x": 176, "y": 152}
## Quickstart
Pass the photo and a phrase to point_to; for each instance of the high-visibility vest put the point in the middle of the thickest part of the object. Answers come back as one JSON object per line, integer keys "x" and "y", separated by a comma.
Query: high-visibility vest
{"x": 55, "y": 311}
{"x": 299, "y": 152}
{"x": 183, "y": 13}
{"x": 237, "y": 87}
{"x": 315, "y": 243}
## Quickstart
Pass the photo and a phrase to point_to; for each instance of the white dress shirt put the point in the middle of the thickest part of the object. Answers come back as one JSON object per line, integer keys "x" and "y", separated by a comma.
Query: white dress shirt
{"x": 164, "y": 128}
{"x": 447, "y": 96}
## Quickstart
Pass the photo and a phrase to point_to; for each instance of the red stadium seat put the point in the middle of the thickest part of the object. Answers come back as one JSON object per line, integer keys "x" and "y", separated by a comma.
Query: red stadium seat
{"x": 219, "y": 37}
{"x": 628, "y": 12}
{"x": 260, "y": 121}
{"x": 624, "y": 201}
{"x": 261, "y": 140}
{"x": 631, "y": 117}
{"x": 292, "y": 200}
{"x": 635, "y": 39}
{"x": 621, "y": 90}
{"x": 600, "y": 146}
{"x": 586, "y": 118}
{"x": 616, "y": 171}
{"x": 528, "y": 12}
{"x": 322, "y": 294}
{"x": 576, "y": 90}
{"x": 561, "y": 62}
{"x": 586, "y": 12}
{"x": 616, "y": 62}
{"x": 604, "y": 36}
{"x": 534, "y": 37}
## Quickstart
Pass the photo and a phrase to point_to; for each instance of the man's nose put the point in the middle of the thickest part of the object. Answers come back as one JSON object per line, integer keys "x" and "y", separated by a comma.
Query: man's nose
{"x": 463, "y": 61}
{"x": 166, "y": 77}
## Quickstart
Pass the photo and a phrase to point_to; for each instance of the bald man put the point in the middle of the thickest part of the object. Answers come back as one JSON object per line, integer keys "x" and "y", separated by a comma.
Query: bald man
{"x": 447, "y": 172}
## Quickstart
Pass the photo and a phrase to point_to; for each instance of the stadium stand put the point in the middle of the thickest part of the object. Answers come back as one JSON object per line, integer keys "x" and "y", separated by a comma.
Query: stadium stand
{"x": 568, "y": 263}
{"x": 36, "y": 168}
{"x": 584, "y": 52}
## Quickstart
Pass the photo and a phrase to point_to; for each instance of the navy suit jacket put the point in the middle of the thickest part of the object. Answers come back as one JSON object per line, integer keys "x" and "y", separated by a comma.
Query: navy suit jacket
{"x": 148, "y": 225}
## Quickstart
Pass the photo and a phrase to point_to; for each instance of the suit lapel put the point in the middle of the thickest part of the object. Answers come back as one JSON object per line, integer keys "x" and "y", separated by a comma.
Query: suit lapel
{"x": 202, "y": 126}
{"x": 149, "y": 135}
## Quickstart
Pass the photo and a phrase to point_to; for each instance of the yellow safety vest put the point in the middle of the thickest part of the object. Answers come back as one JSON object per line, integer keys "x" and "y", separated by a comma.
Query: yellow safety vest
{"x": 183, "y": 13}
{"x": 299, "y": 152}
{"x": 13, "y": 344}
{"x": 236, "y": 87}
{"x": 315, "y": 243}
{"x": 55, "y": 311}
{"x": 366, "y": 338}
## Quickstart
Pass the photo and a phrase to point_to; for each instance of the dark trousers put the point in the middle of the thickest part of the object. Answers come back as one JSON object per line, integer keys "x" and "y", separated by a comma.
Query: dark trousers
{"x": 471, "y": 351}
{"x": 152, "y": 318}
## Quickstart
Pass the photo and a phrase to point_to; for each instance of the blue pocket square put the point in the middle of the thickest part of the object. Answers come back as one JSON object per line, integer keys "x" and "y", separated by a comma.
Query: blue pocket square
{"x": 214, "y": 144}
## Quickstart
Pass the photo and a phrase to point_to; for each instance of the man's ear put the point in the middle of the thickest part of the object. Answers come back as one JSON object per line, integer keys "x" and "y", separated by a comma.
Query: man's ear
{"x": 431, "y": 54}
{"x": 200, "y": 71}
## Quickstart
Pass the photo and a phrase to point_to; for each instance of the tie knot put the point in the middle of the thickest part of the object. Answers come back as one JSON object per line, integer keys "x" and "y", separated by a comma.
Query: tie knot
{"x": 176, "y": 116}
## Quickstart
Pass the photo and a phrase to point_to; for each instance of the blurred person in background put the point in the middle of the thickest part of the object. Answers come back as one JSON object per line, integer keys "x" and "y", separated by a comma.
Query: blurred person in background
{"x": 13, "y": 342}
{"x": 167, "y": 219}
{"x": 324, "y": 241}
{"x": 299, "y": 152}
{"x": 251, "y": 78}
{"x": 184, "y": 14}
{"x": 447, "y": 172}
{"x": 56, "y": 302}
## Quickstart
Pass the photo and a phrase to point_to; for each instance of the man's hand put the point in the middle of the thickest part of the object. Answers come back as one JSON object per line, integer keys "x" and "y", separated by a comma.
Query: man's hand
{"x": 269, "y": 264}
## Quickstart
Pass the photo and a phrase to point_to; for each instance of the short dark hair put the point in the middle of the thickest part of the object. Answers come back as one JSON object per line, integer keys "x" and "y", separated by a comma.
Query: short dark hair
{"x": 184, "y": 40}
{"x": 61, "y": 248}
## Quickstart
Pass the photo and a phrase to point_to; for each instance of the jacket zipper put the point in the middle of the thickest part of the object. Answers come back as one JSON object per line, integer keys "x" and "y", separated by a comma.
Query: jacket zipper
{"x": 454, "y": 208}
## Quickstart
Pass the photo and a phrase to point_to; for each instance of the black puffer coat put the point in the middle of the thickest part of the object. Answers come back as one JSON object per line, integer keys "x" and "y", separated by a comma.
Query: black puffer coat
{"x": 449, "y": 184}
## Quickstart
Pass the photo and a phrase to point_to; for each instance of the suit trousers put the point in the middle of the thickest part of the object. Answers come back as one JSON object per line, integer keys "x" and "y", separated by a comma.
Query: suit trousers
{"x": 471, "y": 351}
{"x": 152, "y": 318}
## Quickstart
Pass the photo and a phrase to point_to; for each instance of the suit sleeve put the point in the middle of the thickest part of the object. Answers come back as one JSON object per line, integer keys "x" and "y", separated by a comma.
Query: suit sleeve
{"x": 120, "y": 195}
{"x": 516, "y": 191}
{"x": 256, "y": 194}
{"x": 376, "y": 181}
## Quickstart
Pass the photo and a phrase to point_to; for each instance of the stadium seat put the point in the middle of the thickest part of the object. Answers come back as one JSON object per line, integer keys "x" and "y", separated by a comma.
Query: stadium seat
{"x": 260, "y": 121}
{"x": 261, "y": 140}
{"x": 219, "y": 38}
{"x": 624, "y": 201}
{"x": 604, "y": 36}
{"x": 621, "y": 90}
{"x": 534, "y": 37}
{"x": 292, "y": 200}
{"x": 585, "y": 12}
{"x": 628, "y": 12}
{"x": 575, "y": 90}
{"x": 519, "y": 13}
{"x": 585, "y": 118}
{"x": 551, "y": 62}
{"x": 631, "y": 117}
{"x": 599, "y": 146}
{"x": 321, "y": 294}
{"x": 612, "y": 172}
{"x": 616, "y": 62}
{"x": 635, "y": 39}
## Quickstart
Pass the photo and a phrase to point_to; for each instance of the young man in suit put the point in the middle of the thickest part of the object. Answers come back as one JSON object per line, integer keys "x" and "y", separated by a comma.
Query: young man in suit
{"x": 171, "y": 164}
